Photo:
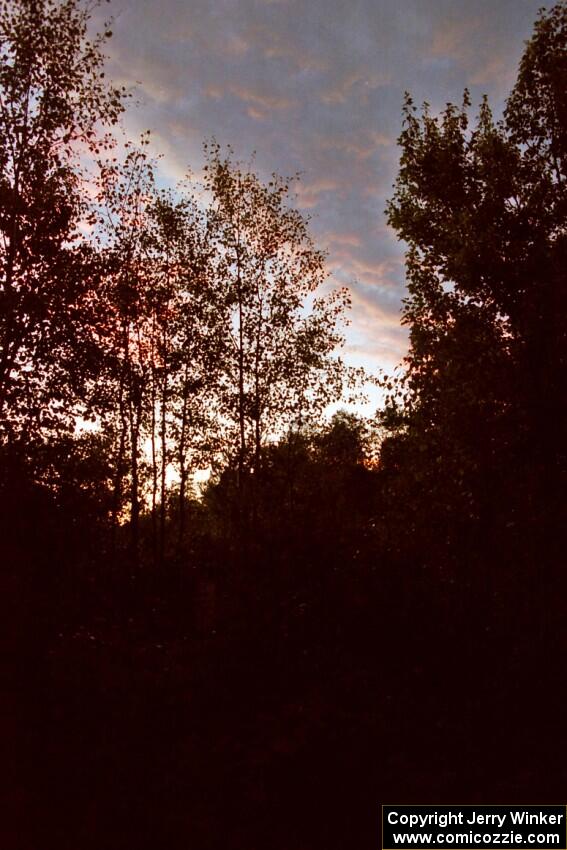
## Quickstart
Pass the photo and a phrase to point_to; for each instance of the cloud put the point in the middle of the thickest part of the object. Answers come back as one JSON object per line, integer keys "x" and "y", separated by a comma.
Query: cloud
{"x": 309, "y": 193}
{"x": 455, "y": 39}
{"x": 264, "y": 100}
{"x": 316, "y": 87}
{"x": 353, "y": 85}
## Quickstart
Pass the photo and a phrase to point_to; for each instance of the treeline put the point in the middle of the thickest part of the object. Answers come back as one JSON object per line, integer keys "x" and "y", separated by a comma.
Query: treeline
{"x": 189, "y": 326}
{"x": 192, "y": 327}
{"x": 480, "y": 421}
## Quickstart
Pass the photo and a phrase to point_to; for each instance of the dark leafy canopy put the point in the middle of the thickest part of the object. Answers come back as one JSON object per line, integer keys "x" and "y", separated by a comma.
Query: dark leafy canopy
{"x": 281, "y": 332}
{"x": 483, "y": 211}
{"x": 54, "y": 101}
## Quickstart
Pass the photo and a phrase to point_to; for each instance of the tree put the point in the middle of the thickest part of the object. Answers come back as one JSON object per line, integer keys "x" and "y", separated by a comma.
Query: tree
{"x": 278, "y": 365}
{"x": 54, "y": 104}
{"x": 160, "y": 341}
{"x": 483, "y": 211}
{"x": 125, "y": 390}
{"x": 185, "y": 332}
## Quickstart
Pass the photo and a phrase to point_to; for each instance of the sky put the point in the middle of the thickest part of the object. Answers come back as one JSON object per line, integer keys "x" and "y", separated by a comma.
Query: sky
{"x": 316, "y": 86}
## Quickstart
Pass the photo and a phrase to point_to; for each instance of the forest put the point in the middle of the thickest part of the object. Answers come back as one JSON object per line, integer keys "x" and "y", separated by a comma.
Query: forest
{"x": 231, "y": 619}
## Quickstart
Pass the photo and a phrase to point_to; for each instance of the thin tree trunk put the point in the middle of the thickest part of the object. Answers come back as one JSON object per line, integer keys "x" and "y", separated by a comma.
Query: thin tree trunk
{"x": 241, "y": 416}
{"x": 12, "y": 345}
{"x": 257, "y": 406}
{"x": 120, "y": 460}
{"x": 119, "y": 471}
{"x": 138, "y": 382}
{"x": 135, "y": 417}
{"x": 154, "y": 469}
{"x": 163, "y": 505}
{"x": 182, "y": 466}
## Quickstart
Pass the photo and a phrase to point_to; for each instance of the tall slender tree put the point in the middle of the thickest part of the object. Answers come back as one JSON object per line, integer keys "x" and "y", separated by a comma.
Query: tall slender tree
{"x": 54, "y": 106}
{"x": 282, "y": 333}
{"x": 127, "y": 395}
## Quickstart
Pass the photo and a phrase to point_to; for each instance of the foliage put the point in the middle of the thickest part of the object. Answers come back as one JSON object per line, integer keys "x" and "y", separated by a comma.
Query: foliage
{"x": 482, "y": 209}
{"x": 280, "y": 330}
{"x": 53, "y": 102}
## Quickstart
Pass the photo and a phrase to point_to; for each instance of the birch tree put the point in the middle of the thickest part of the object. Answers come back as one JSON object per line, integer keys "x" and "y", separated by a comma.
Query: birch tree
{"x": 281, "y": 328}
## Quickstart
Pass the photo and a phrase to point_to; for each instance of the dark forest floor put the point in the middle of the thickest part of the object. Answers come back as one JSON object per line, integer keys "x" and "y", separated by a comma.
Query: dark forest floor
{"x": 154, "y": 729}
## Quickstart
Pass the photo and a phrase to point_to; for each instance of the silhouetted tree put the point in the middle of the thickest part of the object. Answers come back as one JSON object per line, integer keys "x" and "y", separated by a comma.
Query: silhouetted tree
{"x": 54, "y": 104}
{"x": 127, "y": 396}
{"x": 483, "y": 210}
{"x": 279, "y": 363}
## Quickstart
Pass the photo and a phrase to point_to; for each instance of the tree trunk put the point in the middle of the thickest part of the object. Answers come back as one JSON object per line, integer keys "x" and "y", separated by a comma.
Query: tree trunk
{"x": 119, "y": 471}
{"x": 182, "y": 467}
{"x": 135, "y": 418}
{"x": 163, "y": 503}
{"x": 154, "y": 470}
